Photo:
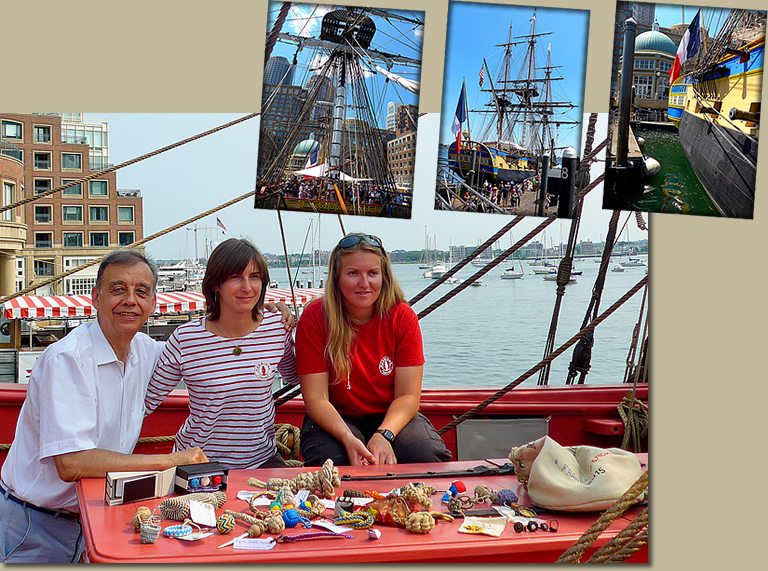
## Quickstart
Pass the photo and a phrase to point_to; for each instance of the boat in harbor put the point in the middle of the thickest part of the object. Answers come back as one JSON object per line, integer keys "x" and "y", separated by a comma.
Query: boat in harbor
{"x": 512, "y": 274}
{"x": 715, "y": 105}
{"x": 634, "y": 263}
{"x": 520, "y": 120}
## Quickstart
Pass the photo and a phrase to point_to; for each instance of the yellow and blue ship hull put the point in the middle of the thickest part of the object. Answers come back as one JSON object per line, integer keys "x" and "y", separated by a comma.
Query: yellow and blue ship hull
{"x": 489, "y": 162}
{"x": 720, "y": 144}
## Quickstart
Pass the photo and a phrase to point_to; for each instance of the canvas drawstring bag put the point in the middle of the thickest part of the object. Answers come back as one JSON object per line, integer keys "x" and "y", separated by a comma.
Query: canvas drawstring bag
{"x": 578, "y": 478}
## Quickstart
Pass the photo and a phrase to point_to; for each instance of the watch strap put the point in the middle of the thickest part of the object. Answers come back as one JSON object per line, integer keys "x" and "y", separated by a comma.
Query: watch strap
{"x": 387, "y": 434}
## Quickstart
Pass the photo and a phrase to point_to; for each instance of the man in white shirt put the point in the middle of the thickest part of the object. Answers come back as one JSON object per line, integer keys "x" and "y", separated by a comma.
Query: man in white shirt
{"x": 82, "y": 417}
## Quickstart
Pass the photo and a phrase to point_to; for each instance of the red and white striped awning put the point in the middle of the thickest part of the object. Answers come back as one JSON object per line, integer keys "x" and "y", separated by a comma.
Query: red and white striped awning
{"x": 36, "y": 307}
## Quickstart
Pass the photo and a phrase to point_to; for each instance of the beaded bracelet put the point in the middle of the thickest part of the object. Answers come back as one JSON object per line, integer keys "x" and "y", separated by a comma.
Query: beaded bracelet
{"x": 180, "y": 530}
{"x": 358, "y": 520}
{"x": 316, "y": 535}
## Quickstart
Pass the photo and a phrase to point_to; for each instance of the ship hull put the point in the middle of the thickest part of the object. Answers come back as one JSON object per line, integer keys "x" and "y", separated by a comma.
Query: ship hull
{"x": 724, "y": 161}
{"x": 712, "y": 109}
{"x": 489, "y": 162}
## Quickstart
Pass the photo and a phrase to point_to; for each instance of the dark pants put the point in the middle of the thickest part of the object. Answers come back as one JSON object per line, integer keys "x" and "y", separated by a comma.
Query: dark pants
{"x": 418, "y": 441}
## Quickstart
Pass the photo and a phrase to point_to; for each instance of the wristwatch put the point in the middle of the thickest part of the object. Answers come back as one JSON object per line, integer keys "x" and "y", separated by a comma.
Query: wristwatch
{"x": 387, "y": 434}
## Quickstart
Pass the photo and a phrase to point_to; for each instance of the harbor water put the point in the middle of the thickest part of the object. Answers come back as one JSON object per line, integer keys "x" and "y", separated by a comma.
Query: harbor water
{"x": 487, "y": 336}
{"x": 675, "y": 189}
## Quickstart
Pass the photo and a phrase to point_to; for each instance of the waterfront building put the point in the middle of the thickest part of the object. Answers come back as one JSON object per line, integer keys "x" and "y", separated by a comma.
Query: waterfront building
{"x": 323, "y": 107}
{"x": 72, "y": 227}
{"x": 401, "y": 155}
{"x": 278, "y": 70}
{"x": 654, "y": 56}
{"x": 392, "y": 115}
{"x": 406, "y": 119}
{"x": 280, "y": 110}
{"x": 300, "y": 154}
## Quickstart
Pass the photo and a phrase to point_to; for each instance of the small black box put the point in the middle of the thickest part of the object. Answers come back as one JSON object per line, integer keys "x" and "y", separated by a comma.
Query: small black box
{"x": 207, "y": 477}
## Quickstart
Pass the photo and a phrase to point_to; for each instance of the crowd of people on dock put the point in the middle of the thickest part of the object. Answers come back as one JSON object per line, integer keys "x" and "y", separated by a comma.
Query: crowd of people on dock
{"x": 356, "y": 192}
{"x": 504, "y": 195}
{"x": 358, "y": 357}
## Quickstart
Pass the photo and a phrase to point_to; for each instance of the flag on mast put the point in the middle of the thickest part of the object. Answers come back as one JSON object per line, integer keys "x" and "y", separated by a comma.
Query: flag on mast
{"x": 312, "y": 160}
{"x": 460, "y": 117}
{"x": 220, "y": 224}
{"x": 688, "y": 47}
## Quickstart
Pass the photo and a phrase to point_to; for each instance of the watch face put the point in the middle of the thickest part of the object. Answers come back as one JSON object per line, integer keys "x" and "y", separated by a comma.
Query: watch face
{"x": 387, "y": 434}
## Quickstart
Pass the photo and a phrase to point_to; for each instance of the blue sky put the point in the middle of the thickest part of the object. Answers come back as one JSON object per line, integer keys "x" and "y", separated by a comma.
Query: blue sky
{"x": 474, "y": 30}
{"x": 670, "y": 14}
{"x": 392, "y": 36}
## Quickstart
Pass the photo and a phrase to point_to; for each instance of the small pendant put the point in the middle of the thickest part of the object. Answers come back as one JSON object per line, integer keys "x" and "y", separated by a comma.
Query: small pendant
{"x": 349, "y": 387}
{"x": 237, "y": 351}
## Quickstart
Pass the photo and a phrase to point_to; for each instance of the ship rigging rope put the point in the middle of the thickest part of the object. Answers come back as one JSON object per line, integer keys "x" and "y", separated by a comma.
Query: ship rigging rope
{"x": 582, "y": 356}
{"x": 126, "y": 163}
{"x": 626, "y": 542}
{"x": 551, "y": 357}
{"x": 276, "y": 27}
{"x": 485, "y": 269}
{"x": 633, "y": 412}
{"x": 566, "y": 263}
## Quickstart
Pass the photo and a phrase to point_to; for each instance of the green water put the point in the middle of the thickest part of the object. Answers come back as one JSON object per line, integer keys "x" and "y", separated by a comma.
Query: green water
{"x": 675, "y": 189}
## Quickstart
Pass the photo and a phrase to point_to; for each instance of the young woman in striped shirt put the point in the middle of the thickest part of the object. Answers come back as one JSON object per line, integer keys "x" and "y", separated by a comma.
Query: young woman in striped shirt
{"x": 227, "y": 361}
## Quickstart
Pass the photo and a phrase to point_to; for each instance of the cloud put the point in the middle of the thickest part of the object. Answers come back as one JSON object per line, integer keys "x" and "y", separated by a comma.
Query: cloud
{"x": 304, "y": 22}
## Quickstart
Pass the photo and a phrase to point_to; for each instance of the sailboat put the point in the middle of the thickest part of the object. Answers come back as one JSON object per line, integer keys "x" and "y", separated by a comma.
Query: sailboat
{"x": 524, "y": 118}
{"x": 323, "y": 145}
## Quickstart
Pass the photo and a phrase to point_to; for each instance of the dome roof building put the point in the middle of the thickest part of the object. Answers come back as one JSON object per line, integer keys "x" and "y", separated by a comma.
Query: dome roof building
{"x": 654, "y": 56}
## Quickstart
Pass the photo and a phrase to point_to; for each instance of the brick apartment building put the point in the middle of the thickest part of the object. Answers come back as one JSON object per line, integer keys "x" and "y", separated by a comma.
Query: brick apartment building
{"x": 68, "y": 228}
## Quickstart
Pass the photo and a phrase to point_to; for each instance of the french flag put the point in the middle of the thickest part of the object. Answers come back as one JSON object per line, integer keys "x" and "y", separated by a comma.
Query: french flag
{"x": 688, "y": 47}
{"x": 312, "y": 160}
{"x": 460, "y": 117}
{"x": 220, "y": 224}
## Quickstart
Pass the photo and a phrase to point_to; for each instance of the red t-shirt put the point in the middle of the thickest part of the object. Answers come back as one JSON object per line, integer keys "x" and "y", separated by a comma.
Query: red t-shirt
{"x": 381, "y": 345}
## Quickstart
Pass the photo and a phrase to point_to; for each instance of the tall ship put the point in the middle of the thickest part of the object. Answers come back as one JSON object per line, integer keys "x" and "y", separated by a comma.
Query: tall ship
{"x": 521, "y": 119}
{"x": 323, "y": 144}
{"x": 715, "y": 104}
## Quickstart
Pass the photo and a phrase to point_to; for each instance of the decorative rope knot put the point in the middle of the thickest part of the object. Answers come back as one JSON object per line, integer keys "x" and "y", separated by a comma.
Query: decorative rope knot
{"x": 484, "y": 493}
{"x": 178, "y": 508}
{"x": 324, "y": 481}
{"x": 564, "y": 271}
{"x": 417, "y": 493}
{"x": 357, "y": 520}
{"x": 419, "y": 522}
{"x": 288, "y": 440}
{"x": 143, "y": 515}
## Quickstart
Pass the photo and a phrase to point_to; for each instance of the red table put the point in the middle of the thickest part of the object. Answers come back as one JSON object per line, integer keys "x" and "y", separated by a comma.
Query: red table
{"x": 111, "y": 538}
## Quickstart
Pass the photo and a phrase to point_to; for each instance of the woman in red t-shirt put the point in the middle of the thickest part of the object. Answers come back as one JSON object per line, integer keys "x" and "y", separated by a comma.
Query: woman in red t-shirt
{"x": 360, "y": 361}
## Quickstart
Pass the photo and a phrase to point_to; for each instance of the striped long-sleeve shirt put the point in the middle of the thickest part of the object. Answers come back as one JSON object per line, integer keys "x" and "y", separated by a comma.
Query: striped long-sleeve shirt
{"x": 231, "y": 408}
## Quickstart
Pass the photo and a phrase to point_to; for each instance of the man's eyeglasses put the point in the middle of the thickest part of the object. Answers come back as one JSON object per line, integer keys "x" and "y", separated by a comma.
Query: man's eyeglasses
{"x": 355, "y": 239}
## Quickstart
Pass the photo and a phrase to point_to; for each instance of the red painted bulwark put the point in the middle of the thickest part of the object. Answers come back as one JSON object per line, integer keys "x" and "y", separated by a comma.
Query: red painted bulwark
{"x": 578, "y": 414}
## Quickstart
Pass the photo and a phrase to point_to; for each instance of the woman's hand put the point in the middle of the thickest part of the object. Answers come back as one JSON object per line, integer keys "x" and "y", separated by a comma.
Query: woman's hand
{"x": 381, "y": 450}
{"x": 289, "y": 321}
{"x": 357, "y": 453}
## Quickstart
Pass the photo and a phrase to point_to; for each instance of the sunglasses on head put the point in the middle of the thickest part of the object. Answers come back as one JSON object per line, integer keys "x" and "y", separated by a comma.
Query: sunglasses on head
{"x": 354, "y": 240}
